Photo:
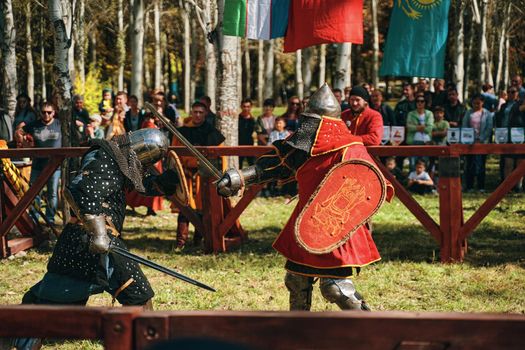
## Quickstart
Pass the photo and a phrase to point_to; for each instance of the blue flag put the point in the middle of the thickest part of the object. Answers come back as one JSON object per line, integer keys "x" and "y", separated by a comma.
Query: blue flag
{"x": 417, "y": 39}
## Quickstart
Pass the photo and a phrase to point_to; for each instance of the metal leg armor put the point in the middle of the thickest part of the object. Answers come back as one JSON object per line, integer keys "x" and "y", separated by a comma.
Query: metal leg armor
{"x": 300, "y": 288}
{"x": 342, "y": 292}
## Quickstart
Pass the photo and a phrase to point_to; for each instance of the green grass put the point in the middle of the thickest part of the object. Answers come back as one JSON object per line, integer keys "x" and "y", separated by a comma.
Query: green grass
{"x": 409, "y": 277}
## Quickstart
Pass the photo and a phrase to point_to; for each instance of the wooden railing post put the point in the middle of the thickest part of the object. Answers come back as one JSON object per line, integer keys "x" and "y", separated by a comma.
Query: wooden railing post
{"x": 118, "y": 327}
{"x": 450, "y": 210}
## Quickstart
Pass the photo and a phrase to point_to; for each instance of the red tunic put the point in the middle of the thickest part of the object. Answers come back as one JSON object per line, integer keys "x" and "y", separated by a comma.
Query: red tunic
{"x": 368, "y": 126}
{"x": 333, "y": 144}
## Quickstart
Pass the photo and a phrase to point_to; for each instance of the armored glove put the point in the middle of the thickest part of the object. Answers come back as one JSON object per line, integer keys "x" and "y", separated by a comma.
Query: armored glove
{"x": 96, "y": 226}
{"x": 233, "y": 180}
{"x": 230, "y": 183}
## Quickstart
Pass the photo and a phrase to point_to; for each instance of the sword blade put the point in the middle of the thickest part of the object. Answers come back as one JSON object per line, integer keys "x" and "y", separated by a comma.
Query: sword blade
{"x": 155, "y": 266}
{"x": 214, "y": 171}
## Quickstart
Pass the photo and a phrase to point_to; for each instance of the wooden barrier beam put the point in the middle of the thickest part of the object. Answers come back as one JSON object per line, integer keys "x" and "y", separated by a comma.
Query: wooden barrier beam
{"x": 412, "y": 205}
{"x": 26, "y": 200}
{"x": 493, "y": 200}
{"x": 336, "y": 330}
{"x": 236, "y": 211}
{"x": 450, "y": 210}
{"x": 132, "y": 328}
{"x": 51, "y": 321}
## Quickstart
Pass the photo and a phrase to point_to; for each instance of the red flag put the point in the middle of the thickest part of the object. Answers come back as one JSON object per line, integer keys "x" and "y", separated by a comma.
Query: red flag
{"x": 313, "y": 22}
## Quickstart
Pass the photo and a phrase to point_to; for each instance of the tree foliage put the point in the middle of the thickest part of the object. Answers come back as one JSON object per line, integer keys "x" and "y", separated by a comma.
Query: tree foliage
{"x": 102, "y": 43}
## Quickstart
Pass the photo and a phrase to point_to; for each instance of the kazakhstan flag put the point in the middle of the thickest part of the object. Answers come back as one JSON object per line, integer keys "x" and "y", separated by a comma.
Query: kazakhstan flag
{"x": 417, "y": 39}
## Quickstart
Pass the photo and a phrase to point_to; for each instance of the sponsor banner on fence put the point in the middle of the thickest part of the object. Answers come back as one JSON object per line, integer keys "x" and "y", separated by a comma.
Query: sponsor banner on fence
{"x": 453, "y": 135}
{"x": 467, "y": 136}
{"x": 397, "y": 135}
{"x": 517, "y": 135}
{"x": 501, "y": 135}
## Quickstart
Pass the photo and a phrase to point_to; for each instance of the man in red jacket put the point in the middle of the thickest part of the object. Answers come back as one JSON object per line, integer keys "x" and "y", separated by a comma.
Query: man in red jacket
{"x": 361, "y": 120}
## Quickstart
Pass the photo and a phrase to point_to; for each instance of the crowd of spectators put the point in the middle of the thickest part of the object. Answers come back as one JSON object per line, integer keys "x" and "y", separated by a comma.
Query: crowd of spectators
{"x": 427, "y": 116}
{"x": 424, "y": 115}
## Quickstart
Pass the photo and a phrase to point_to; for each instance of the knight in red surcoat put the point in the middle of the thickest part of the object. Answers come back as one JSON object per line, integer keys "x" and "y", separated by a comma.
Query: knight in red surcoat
{"x": 321, "y": 142}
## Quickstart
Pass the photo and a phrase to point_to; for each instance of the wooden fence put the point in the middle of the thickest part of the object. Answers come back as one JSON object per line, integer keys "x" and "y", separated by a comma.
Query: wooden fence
{"x": 221, "y": 217}
{"x": 130, "y": 328}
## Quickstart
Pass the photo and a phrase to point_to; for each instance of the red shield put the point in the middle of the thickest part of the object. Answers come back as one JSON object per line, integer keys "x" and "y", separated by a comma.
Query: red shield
{"x": 347, "y": 197}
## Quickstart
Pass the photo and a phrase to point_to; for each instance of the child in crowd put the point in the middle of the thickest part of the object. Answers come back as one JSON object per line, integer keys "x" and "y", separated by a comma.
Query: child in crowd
{"x": 439, "y": 137}
{"x": 419, "y": 181}
{"x": 439, "y": 132}
{"x": 279, "y": 132}
{"x": 391, "y": 165}
{"x": 93, "y": 129}
{"x": 265, "y": 123}
{"x": 105, "y": 107}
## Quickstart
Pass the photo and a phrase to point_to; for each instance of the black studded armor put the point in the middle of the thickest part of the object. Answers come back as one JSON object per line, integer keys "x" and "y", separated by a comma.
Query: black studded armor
{"x": 98, "y": 189}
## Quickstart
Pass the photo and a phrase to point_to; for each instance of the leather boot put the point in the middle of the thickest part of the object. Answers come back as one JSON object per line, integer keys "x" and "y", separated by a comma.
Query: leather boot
{"x": 197, "y": 239}
{"x": 182, "y": 233}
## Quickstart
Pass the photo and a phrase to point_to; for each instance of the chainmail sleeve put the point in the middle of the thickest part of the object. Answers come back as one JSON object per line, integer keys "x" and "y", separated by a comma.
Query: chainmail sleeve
{"x": 98, "y": 180}
{"x": 280, "y": 164}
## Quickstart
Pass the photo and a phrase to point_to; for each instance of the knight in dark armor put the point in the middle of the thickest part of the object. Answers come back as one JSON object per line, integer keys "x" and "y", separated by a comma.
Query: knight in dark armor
{"x": 321, "y": 145}
{"x": 81, "y": 264}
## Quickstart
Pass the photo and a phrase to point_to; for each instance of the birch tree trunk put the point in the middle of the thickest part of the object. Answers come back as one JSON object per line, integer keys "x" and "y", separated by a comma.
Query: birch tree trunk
{"x": 247, "y": 69}
{"x": 228, "y": 93}
{"x": 343, "y": 66}
{"x": 269, "y": 91}
{"x": 307, "y": 69}
{"x": 506, "y": 74}
{"x": 260, "y": 72}
{"x": 69, "y": 12}
{"x": 210, "y": 52}
{"x": 279, "y": 91}
{"x": 193, "y": 58}
{"x": 485, "y": 74}
{"x": 81, "y": 41}
{"x": 147, "y": 69}
{"x": 375, "y": 44}
{"x": 93, "y": 44}
{"x": 299, "y": 84}
{"x": 8, "y": 42}
{"x": 469, "y": 58}
{"x": 29, "y": 54}
{"x": 187, "y": 62}
{"x": 322, "y": 64}
{"x": 43, "y": 60}
{"x": 499, "y": 83}
{"x": 137, "y": 49}
{"x": 239, "y": 71}
{"x": 348, "y": 77}
{"x": 60, "y": 16}
{"x": 166, "y": 68}
{"x": 158, "y": 52}
{"x": 459, "y": 66}
{"x": 121, "y": 45}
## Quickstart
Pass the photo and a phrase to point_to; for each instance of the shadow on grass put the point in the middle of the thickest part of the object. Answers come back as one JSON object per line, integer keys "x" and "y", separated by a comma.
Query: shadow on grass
{"x": 405, "y": 243}
{"x": 259, "y": 241}
{"x": 493, "y": 245}
{"x": 489, "y": 245}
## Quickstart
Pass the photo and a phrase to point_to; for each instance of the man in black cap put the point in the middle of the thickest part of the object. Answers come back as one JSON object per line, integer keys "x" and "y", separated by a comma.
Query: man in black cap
{"x": 362, "y": 120}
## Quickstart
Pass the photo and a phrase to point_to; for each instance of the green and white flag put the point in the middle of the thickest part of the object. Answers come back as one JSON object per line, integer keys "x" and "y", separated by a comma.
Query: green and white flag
{"x": 256, "y": 19}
